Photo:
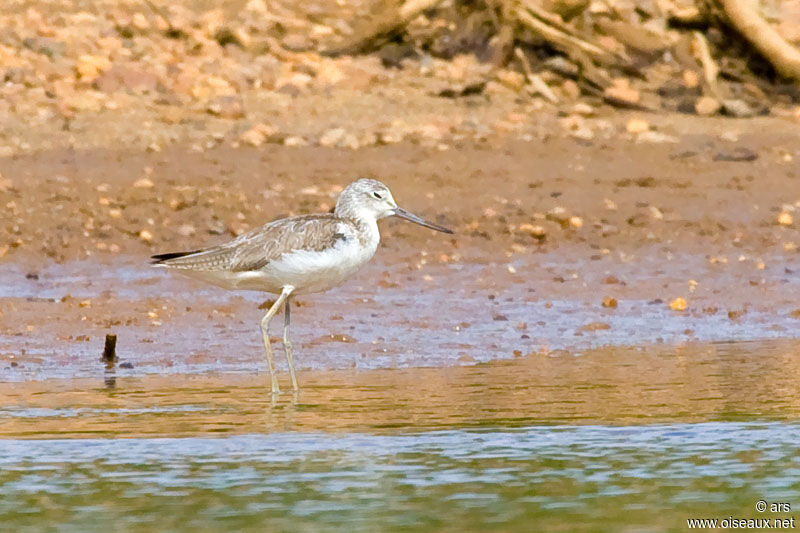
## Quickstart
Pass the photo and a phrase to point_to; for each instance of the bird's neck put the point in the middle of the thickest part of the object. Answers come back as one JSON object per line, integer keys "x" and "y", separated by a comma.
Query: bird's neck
{"x": 367, "y": 228}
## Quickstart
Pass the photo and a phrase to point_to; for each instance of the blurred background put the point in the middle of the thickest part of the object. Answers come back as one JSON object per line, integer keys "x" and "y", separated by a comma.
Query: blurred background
{"x": 357, "y": 73}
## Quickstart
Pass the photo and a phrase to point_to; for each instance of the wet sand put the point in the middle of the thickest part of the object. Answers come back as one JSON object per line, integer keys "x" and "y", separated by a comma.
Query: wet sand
{"x": 547, "y": 231}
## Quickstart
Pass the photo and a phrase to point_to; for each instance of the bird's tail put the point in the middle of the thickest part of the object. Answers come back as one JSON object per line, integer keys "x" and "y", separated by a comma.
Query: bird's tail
{"x": 164, "y": 259}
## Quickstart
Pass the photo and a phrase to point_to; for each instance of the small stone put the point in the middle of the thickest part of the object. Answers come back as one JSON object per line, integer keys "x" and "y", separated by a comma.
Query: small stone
{"x": 584, "y": 134}
{"x": 609, "y": 302}
{"x": 228, "y": 107}
{"x": 511, "y": 79}
{"x": 785, "y": 219}
{"x": 145, "y": 235}
{"x": 582, "y": 109}
{"x": 558, "y": 213}
{"x": 637, "y": 125}
{"x": 256, "y": 6}
{"x": 295, "y": 141}
{"x": 576, "y": 222}
{"x": 678, "y": 304}
{"x": 144, "y": 183}
{"x": 740, "y": 153}
{"x": 690, "y": 79}
{"x": 595, "y": 326}
{"x": 258, "y": 134}
{"x": 186, "y": 230}
{"x": 571, "y": 89}
{"x": 90, "y": 66}
{"x": 655, "y": 137}
{"x": 296, "y": 42}
{"x": 707, "y": 106}
{"x": 621, "y": 90}
{"x": 140, "y": 22}
{"x": 332, "y": 137}
{"x": 737, "y": 108}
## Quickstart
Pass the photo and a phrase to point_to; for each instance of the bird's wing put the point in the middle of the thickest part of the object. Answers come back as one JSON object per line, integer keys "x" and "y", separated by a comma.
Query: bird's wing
{"x": 257, "y": 248}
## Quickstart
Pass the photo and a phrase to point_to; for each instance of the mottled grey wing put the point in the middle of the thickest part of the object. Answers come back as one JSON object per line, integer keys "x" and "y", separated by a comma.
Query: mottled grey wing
{"x": 257, "y": 248}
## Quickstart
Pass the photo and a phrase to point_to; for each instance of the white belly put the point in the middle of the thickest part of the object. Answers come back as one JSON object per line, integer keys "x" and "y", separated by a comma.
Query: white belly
{"x": 310, "y": 271}
{"x": 307, "y": 271}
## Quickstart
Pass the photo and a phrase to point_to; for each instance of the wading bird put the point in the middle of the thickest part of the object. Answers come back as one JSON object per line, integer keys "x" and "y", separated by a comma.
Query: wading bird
{"x": 298, "y": 255}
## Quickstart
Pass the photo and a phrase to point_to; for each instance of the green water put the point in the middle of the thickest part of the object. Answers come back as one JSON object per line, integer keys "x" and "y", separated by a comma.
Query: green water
{"x": 614, "y": 440}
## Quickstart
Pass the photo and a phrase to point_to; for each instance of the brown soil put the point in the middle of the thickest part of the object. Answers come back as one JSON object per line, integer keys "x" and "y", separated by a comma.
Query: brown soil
{"x": 546, "y": 230}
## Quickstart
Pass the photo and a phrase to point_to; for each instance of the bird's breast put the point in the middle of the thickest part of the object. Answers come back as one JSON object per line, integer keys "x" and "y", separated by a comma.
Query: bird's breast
{"x": 318, "y": 270}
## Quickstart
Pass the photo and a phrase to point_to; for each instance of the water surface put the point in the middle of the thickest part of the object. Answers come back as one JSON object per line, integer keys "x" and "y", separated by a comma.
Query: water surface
{"x": 607, "y": 440}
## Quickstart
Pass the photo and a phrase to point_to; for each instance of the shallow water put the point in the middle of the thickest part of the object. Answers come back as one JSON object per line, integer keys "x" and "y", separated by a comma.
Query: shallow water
{"x": 608, "y": 440}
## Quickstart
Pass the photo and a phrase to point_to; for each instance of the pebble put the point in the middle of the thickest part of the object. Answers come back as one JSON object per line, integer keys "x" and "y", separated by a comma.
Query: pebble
{"x": 785, "y": 219}
{"x": 295, "y": 141}
{"x": 609, "y": 302}
{"x": 707, "y": 106}
{"x": 637, "y": 125}
{"x": 332, "y": 137}
{"x": 258, "y": 134}
{"x": 655, "y": 137}
{"x": 740, "y": 153}
{"x": 621, "y": 90}
{"x": 582, "y": 109}
{"x": 678, "y": 304}
{"x": 737, "y": 108}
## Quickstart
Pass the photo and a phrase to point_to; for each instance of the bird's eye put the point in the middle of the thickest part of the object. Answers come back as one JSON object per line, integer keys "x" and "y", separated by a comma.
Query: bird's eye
{"x": 377, "y": 195}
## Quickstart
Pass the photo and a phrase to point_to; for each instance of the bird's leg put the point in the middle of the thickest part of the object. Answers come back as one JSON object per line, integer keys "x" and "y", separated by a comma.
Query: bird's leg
{"x": 265, "y": 333}
{"x": 287, "y": 344}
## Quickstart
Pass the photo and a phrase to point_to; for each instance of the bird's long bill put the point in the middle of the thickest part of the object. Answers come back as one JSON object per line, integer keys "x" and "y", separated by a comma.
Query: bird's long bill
{"x": 402, "y": 213}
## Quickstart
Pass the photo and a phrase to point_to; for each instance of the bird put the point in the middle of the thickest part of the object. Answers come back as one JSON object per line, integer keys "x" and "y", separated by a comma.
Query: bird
{"x": 297, "y": 255}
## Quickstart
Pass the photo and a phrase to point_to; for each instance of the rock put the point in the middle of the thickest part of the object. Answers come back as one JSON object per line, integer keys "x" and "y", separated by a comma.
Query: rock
{"x": 228, "y": 107}
{"x": 90, "y": 66}
{"x": 258, "y": 7}
{"x": 637, "y": 125}
{"x": 296, "y": 42}
{"x": 691, "y": 79}
{"x": 329, "y": 73}
{"x": 132, "y": 79}
{"x": 678, "y": 304}
{"x": 785, "y": 219}
{"x": 511, "y": 79}
{"x": 295, "y": 141}
{"x": 582, "y": 109}
{"x": 584, "y": 134}
{"x": 258, "y": 134}
{"x": 707, "y": 106}
{"x": 737, "y": 108}
{"x": 571, "y": 89}
{"x": 140, "y": 22}
{"x": 737, "y": 154}
{"x": 655, "y": 137}
{"x": 332, "y": 137}
{"x": 622, "y": 91}
{"x": 609, "y": 302}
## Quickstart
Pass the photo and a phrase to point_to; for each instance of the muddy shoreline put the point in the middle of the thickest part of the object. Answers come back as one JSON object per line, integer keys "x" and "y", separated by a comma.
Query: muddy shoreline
{"x": 560, "y": 245}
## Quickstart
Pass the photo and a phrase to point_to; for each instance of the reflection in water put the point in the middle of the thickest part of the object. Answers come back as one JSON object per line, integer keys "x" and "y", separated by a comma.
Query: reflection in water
{"x": 606, "y": 386}
{"x": 610, "y": 439}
